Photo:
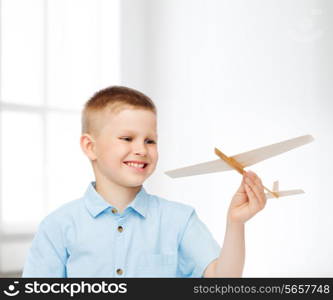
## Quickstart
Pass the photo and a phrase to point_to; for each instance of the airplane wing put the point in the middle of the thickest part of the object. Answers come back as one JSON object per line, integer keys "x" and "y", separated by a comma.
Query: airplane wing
{"x": 252, "y": 157}
{"x": 285, "y": 193}
{"x": 217, "y": 165}
{"x": 245, "y": 159}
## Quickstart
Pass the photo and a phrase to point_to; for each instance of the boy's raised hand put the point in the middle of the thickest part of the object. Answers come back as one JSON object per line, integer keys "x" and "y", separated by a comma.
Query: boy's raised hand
{"x": 248, "y": 200}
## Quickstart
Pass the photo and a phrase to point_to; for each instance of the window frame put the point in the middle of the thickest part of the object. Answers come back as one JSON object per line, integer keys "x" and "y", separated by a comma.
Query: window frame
{"x": 42, "y": 110}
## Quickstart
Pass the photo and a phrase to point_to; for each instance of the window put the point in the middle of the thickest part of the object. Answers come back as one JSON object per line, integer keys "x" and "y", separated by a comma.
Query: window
{"x": 54, "y": 55}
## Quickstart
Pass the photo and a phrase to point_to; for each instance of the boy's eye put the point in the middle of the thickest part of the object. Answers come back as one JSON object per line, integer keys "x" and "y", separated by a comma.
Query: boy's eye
{"x": 126, "y": 138}
{"x": 150, "y": 142}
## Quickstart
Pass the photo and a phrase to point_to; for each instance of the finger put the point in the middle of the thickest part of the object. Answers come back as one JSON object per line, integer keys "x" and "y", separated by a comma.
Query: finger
{"x": 241, "y": 188}
{"x": 256, "y": 201}
{"x": 253, "y": 203}
{"x": 258, "y": 188}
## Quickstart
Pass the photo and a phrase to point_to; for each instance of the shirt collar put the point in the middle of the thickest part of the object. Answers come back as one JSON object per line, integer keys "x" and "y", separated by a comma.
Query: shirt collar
{"x": 96, "y": 204}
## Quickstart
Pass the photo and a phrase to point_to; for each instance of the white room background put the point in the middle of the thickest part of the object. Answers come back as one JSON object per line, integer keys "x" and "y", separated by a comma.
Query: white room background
{"x": 229, "y": 74}
{"x": 54, "y": 55}
{"x": 239, "y": 75}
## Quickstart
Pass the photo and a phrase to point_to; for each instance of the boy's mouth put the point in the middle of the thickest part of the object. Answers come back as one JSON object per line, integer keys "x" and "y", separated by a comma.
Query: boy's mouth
{"x": 138, "y": 165}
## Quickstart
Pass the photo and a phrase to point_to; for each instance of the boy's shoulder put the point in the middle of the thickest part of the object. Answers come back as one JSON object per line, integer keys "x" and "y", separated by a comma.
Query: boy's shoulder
{"x": 66, "y": 212}
{"x": 167, "y": 206}
{"x": 70, "y": 211}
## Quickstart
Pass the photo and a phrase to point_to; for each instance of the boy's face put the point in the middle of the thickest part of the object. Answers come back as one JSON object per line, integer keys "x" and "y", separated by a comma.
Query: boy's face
{"x": 126, "y": 147}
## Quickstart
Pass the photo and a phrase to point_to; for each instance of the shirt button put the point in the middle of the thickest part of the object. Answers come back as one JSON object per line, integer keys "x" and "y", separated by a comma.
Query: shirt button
{"x": 120, "y": 228}
{"x": 120, "y": 271}
{"x": 114, "y": 210}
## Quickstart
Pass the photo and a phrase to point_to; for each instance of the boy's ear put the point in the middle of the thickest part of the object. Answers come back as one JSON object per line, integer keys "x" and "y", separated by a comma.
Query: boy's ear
{"x": 88, "y": 146}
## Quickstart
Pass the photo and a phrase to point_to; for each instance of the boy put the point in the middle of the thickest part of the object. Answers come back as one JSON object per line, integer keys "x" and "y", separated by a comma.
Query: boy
{"x": 117, "y": 229}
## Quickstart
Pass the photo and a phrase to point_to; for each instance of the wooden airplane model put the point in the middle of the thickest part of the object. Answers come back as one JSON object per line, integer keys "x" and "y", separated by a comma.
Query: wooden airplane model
{"x": 240, "y": 161}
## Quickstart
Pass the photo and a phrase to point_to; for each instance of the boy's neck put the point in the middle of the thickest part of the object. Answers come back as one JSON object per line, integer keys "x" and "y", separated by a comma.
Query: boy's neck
{"x": 117, "y": 196}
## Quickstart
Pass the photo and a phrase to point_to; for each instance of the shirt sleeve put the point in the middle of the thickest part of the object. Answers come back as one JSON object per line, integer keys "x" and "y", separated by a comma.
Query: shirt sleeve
{"x": 197, "y": 248}
{"x": 47, "y": 255}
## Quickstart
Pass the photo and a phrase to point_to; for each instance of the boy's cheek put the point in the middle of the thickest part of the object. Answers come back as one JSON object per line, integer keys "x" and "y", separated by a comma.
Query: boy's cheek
{"x": 153, "y": 166}
{"x": 155, "y": 154}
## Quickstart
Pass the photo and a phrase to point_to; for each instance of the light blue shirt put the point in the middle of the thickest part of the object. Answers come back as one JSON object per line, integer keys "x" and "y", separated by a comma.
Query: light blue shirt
{"x": 153, "y": 237}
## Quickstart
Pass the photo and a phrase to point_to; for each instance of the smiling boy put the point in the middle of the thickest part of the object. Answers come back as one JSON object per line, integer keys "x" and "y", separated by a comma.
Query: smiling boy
{"x": 118, "y": 229}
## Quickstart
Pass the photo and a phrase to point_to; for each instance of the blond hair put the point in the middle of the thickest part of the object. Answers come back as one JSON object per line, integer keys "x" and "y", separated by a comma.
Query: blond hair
{"x": 114, "y": 98}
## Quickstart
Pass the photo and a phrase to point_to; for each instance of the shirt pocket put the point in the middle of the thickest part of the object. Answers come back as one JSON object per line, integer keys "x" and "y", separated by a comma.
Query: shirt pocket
{"x": 157, "y": 265}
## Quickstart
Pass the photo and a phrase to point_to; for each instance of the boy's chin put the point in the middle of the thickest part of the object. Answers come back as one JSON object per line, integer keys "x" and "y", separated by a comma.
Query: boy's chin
{"x": 133, "y": 184}
{"x": 132, "y": 180}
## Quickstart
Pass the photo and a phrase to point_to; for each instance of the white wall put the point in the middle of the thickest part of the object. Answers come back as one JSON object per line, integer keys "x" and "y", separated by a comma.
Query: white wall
{"x": 58, "y": 52}
{"x": 239, "y": 75}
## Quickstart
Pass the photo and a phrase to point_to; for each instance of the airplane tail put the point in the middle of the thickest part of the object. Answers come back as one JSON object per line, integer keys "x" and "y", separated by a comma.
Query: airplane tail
{"x": 275, "y": 186}
{"x": 276, "y": 189}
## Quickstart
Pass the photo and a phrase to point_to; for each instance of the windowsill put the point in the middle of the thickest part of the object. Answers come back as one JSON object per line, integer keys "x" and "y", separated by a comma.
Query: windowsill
{"x": 17, "y": 274}
{"x": 23, "y": 230}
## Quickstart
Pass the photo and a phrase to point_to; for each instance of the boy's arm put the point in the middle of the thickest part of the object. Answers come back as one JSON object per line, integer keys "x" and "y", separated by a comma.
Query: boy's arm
{"x": 230, "y": 262}
{"x": 247, "y": 201}
{"x": 47, "y": 254}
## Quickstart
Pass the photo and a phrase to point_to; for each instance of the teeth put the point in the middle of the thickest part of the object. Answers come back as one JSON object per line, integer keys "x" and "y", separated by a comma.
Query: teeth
{"x": 135, "y": 165}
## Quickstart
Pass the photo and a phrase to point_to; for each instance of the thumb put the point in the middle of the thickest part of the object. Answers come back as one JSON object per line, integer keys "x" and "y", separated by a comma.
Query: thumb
{"x": 241, "y": 188}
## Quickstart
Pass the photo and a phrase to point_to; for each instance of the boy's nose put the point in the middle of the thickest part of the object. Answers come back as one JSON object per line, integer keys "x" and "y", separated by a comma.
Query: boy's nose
{"x": 140, "y": 150}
